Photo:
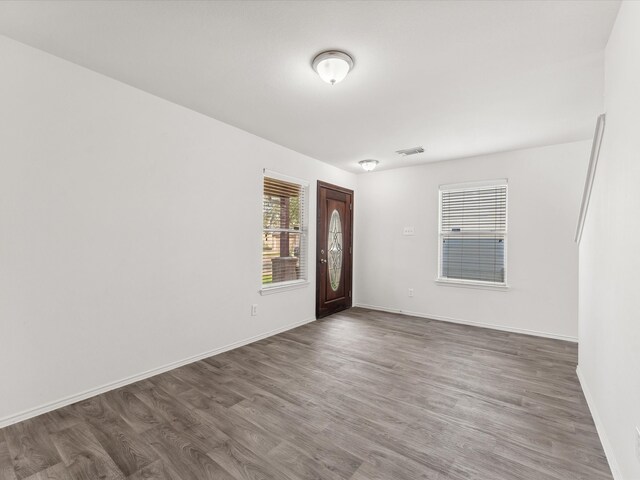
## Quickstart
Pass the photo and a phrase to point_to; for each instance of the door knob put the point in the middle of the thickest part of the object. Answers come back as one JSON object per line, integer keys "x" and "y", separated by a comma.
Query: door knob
{"x": 323, "y": 260}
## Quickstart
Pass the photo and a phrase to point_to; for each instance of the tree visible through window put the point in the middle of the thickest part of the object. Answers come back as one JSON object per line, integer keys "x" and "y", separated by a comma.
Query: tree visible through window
{"x": 283, "y": 232}
{"x": 473, "y": 233}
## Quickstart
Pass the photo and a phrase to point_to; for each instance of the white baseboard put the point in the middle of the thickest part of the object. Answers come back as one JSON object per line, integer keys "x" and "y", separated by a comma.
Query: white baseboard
{"x": 606, "y": 445}
{"x": 503, "y": 328}
{"x": 34, "y": 412}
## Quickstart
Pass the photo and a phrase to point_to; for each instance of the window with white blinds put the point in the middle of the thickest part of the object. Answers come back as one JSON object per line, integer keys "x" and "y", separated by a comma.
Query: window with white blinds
{"x": 284, "y": 230}
{"x": 473, "y": 233}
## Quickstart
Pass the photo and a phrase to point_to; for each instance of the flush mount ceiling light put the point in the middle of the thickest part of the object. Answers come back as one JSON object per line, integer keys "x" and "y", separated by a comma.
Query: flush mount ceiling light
{"x": 368, "y": 165}
{"x": 410, "y": 151}
{"x": 332, "y": 66}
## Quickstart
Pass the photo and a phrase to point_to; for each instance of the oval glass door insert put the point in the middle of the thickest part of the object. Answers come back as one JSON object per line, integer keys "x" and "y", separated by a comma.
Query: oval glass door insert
{"x": 334, "y": 243}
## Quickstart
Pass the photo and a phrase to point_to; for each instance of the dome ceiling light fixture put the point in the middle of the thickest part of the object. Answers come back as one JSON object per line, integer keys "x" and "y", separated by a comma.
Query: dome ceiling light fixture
{"x": 368, "y": 165}
{"x": 332, "y": 66}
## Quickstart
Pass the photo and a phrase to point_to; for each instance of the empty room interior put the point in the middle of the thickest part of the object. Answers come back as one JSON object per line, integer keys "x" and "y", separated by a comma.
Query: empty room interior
{"x": 320, "y": 240}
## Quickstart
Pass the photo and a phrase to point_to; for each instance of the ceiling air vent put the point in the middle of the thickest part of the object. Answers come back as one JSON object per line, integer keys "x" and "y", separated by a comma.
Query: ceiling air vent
{"x": 410, "y": 151}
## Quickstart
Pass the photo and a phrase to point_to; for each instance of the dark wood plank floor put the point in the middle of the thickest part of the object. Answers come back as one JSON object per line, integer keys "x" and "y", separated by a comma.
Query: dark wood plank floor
{"x": 361, "y": 395}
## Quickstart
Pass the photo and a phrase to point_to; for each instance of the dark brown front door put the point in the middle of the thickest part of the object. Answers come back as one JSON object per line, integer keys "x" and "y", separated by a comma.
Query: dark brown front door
{"x": 334, "y": 249}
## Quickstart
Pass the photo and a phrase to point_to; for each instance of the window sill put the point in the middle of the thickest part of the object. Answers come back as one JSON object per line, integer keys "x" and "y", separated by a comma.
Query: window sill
{"x": 283, "y": 287}
{"x": 472, "y": 284}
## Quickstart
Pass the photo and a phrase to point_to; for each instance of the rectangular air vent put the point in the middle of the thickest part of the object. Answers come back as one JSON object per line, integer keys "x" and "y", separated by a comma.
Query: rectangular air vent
{"x": 410, "y": 151}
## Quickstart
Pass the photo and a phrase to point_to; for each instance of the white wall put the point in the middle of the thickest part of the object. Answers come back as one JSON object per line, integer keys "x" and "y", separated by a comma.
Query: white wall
{"x": 129, "y": 232}
{"x": 545, "y": 187}
{"x": 609, "y": 260}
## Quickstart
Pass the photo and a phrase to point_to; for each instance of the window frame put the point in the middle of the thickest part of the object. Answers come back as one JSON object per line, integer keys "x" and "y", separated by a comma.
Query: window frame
{"x": 271, "y": 288}
{"x": 470, "y": 283}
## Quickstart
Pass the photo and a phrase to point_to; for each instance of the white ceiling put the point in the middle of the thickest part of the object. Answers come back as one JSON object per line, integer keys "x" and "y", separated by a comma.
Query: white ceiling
{"x": 460, "y": 78}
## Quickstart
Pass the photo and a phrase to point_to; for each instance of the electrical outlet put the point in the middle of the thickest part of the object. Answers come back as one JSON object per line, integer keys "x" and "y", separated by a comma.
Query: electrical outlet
{"x": 408, "y": 231}
{"x": 254, "y": 310}
{"x": 411, "y": 292}
{"x": 638, "y": 443}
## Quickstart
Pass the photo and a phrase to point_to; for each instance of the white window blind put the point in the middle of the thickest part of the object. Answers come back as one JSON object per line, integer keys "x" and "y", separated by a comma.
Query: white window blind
{"x": 473, "y": 233}
{"x": 284, "y": 231}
